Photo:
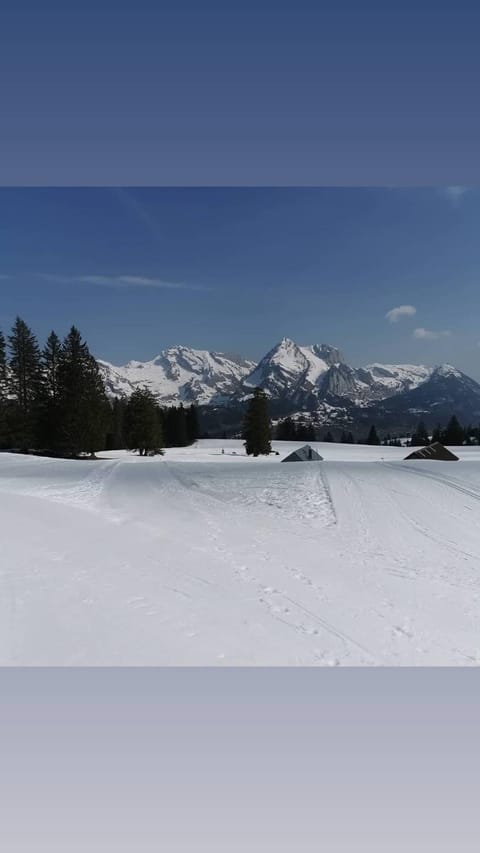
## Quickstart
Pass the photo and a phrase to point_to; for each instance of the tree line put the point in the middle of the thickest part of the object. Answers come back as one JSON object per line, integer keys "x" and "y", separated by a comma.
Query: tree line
{"x": 53, "y": 401}
{"x": 140, "y": 424}
{"x": 453, "y": 433}
{"x": 257, "y": 428}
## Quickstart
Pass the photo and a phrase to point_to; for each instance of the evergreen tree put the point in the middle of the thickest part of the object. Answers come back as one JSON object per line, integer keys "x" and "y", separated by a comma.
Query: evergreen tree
{"x": 82, "y": 401}
{"x": 454, "y": 433}
{"x": 469, "y": 435}
{"x": 98, "y": 408}
{"x": 24, "y": 384}
{"x": 328, "y": 437}
{"x": 115, "y": 439}
{"x": 305, "y": 431}
{"x": 256, "y": 429}
{"x": 142, "y": 423}
{"x": 170, "y": 426}
{"x": 192, "y": 424}
{"x": 3, "y": 391}
{"x": 437, "y": 434}
{"x": 176, "y": 429}
{"x": 3, "y": 364}
{"x": 50, "y": 363}
{"x": 420, "y": 437}
{"x": 372, "y": 436}
{"x": 182, "y": 439}
{"x": 49, "y": 414}
{"x": 286, "y": 430}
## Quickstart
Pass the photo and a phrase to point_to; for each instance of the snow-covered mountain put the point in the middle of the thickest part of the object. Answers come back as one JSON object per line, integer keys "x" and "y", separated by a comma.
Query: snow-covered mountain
{"x": 377, "y": 381}
{"x": 292, "y": 370}
{"x": 313, "y": 378}
{"x": 180, "y": 374}
{"x": 305, "y": 374}
{"x": 446, "y": 391}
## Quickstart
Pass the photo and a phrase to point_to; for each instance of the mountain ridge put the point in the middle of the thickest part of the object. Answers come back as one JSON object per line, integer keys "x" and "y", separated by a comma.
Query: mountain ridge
{"x": 314, "y": 378}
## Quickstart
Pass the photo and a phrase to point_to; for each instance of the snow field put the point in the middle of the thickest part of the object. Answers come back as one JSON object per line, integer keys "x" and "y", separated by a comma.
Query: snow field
{"x": 204, "y": 558}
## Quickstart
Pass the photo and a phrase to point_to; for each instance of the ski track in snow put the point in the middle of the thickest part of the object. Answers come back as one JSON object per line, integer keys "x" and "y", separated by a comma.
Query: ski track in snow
{"x": 196, "y": 560}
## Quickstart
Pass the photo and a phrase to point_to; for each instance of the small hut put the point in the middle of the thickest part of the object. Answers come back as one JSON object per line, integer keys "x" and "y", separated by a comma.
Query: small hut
{"x": 436, "y": 452}
{"x": 304, "y": 454}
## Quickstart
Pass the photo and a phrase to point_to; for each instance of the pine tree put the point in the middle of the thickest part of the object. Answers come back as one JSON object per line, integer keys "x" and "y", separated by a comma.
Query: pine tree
{"x": 469, "y": 435}
{"x": 420, "y": 437}
{"x": 82, "y": 401}
{"x": 305, "y": 431}
{"x": 437, "y": 434}
{"x": 3, "y": 364}
{"x": 176, "y": 427}
{"x": 372, "y": 436}
{"x": 97, "y": 407}
{"x": 170, "y": 426}
{"x": 24, "y": 384}
{"x": 49, "y": 414}
{"x": 3, "y": 391}
{"x": 454, "y": 433}
{"x": 115, "y": 439}
{"x": 51, "y": 355}
{"x": 181, "y": 427}
{"x": 142, "y": 423}
{"x": 286, "y": 430}
{"x": 192, "y": 424}
{"x": 256, "y": 429}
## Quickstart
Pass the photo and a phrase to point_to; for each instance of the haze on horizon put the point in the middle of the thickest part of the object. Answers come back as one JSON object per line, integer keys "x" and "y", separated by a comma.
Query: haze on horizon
{"x": 386, "y": 275}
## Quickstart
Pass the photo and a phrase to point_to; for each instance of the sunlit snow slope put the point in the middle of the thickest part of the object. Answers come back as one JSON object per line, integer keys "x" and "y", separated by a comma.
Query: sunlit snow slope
{"x": 206, "y": 558}
{"x": 179, "y": 374}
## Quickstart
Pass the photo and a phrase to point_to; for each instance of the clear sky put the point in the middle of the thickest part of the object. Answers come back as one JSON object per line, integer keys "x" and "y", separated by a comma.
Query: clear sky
{"x": 258, "y": 91}
{"x": 235, "y": 270}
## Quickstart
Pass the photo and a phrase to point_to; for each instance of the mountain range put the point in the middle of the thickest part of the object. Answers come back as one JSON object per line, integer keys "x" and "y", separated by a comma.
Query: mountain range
{"x": 299, "y": 379}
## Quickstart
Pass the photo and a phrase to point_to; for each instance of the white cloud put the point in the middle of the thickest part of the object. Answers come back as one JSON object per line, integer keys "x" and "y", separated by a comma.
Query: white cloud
{"x": 454, "y": 193}
{"x": 396, "y": 314}
{"x": 428, "y": 335}
{"x": 119, "y": 281}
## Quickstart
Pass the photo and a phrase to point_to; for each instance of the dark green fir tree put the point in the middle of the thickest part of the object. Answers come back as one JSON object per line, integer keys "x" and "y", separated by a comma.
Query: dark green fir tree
{"x": 82, "y": 402}
{"x": 420, "y": 437}
{"x": 49, "y": 412}
{"x": 286, "y": 430}
{"x": 3, "y": 391}
{"x": 373, "y": 436}
{"x": 256, "y": 428}
{"x": 142, "y": 423}
{"x": 454, "y": 432}
{"x": 193, "y": 430}
{"x": 24, "y": 385}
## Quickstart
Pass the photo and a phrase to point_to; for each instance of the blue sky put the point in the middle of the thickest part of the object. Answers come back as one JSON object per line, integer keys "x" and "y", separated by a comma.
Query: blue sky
{"x": 237, "y": 269}
{"x": 258, "y": 91}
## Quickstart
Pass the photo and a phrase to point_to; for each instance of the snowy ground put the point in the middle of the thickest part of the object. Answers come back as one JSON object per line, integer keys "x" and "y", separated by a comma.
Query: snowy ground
{"x": 208, "y": 559}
